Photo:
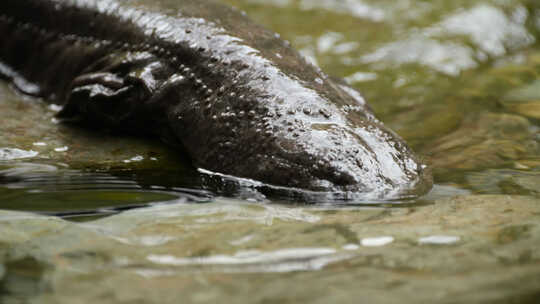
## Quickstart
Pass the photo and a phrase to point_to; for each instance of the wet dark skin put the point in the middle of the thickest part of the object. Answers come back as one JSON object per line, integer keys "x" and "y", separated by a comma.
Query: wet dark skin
{"x": 203, "y": 77}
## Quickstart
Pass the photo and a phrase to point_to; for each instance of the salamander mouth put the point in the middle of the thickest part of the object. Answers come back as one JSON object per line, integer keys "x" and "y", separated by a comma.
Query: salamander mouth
{"x": 322, "y": 190}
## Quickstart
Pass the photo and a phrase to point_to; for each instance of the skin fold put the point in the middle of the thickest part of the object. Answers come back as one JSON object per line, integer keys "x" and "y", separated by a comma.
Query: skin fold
{"x": 201, "y": 76}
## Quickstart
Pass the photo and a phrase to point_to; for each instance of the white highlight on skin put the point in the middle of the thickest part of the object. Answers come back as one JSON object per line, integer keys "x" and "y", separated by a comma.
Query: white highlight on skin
{"x": 137, "y": 158}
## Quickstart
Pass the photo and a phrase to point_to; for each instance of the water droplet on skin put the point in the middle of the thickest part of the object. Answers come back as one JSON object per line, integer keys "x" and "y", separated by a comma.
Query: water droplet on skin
{"x": 61, "y": 149}
{"x": 325, "y": 113}
{"x": 54, "y": 107}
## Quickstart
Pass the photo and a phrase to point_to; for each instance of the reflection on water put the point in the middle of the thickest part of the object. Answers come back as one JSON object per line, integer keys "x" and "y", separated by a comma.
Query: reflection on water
{"x": 457, "y": 79}
{"x": 54, "y": 190}
{"x": 60, "y": 191}
{"x": 284, "y": 260}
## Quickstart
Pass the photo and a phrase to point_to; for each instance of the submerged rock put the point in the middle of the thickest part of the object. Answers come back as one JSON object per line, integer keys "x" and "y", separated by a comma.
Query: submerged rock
{"x": 486, "y": 141}
{"x": 524, "y": 100}
{"x": 456, "y": 248}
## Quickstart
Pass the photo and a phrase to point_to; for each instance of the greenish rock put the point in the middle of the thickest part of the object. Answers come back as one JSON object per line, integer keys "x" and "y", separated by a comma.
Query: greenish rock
{"x": 484, "y": 141}
{"x": 454, "y": 250}
{"x": 524, "y": 100}
{"x": 513, "y": 181}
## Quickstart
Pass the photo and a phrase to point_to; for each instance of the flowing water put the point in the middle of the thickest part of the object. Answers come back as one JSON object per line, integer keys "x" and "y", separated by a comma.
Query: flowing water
{"x": 94, "y": 217}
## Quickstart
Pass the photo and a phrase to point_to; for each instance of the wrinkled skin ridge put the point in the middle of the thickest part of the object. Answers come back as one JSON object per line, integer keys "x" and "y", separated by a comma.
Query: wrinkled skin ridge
{"x": 236, "y": 98}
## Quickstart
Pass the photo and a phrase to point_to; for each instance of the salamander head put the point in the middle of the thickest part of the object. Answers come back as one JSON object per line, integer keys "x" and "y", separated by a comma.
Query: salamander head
{"x": 250, "y": 106}
{"x": 324, "y": 141}
{"x": 368, "y": 160}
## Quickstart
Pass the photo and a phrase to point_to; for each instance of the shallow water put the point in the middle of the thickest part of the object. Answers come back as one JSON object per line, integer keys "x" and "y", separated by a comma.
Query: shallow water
{"x": 457, "y": 79}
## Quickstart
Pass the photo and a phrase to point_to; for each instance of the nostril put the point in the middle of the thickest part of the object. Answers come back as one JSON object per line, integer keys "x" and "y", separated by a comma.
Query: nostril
{"x": 359, "y": 163}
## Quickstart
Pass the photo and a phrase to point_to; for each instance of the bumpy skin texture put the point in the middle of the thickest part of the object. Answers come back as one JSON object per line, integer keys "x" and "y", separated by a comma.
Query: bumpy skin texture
{"x": 202, "y": 76}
